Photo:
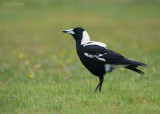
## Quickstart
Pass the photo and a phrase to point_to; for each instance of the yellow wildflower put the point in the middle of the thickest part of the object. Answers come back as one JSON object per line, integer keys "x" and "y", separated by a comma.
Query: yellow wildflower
{"x": 68, "y": 61}
{"x": 30, "y": 76}
{"x": 121, "y": 69}
{"x": 37, "y": 66}
{"x": 63, "y": 52}
{"x": 27, "y": 62}
{"x": 54, "y": 57}
{"x": 60, "y": 63}
{"x": 21, "y": 55}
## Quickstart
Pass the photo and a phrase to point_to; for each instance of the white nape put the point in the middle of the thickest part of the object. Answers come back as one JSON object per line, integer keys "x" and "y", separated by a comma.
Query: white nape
{"x": 86, "y": 41}
{"x": 85, "y": 38}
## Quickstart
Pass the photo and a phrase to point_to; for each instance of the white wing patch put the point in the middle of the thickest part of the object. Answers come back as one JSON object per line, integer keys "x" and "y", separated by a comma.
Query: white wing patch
{"x": 95, "y": 43}
{"x": 100, "y": 55}
{"x": 96, "y": 56}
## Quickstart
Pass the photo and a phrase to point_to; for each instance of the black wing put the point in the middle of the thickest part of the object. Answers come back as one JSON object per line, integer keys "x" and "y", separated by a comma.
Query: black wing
{"x": 101, "y": 54}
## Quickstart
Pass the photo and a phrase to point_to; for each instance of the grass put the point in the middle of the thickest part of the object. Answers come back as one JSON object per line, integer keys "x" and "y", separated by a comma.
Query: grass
{"x": 40, "y": 71}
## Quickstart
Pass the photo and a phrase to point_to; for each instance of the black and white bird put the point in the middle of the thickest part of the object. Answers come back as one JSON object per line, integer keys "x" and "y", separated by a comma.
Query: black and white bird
{"x": 97, "y": 58}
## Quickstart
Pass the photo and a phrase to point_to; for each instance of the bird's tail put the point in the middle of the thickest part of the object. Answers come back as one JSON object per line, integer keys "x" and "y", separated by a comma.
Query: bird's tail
{"x": 134, "y": 63}
{"x": 134, "y": 68}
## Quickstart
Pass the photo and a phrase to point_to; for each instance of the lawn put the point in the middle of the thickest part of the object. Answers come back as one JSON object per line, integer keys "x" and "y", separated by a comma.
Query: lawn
{"x": 40, "y": 71}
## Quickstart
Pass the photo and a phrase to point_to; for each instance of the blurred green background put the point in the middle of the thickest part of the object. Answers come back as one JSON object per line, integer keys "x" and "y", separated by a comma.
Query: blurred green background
{"x": 37, "y": 56}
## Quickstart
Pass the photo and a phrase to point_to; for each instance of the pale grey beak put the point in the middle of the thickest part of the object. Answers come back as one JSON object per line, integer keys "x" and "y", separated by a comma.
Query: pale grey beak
{"x": 70, "y": 31}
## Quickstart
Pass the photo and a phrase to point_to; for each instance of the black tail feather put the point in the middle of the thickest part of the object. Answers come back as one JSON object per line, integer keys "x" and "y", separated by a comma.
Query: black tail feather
{"x": 135, "y": 69}
{"x": 134, "y": 63}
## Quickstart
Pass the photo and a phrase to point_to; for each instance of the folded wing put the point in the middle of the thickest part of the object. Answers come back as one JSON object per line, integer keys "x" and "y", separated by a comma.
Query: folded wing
{"x": 102, "y": 54}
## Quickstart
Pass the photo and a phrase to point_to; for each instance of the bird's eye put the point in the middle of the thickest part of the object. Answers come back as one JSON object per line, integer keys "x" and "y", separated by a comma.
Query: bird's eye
{"x": 76, "y": 30}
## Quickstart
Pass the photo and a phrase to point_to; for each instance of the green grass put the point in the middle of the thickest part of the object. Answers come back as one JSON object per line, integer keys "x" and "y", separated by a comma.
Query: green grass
{"x": 50, "y": 78}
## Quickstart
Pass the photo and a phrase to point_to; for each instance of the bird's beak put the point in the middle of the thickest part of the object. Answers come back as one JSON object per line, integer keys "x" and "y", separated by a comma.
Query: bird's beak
{"x": 70, "y": 31}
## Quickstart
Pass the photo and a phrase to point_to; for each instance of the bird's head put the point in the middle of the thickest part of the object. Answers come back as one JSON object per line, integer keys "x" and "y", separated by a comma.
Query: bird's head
{"x": 79, "y": 34}
{"x": 75, "y": 32}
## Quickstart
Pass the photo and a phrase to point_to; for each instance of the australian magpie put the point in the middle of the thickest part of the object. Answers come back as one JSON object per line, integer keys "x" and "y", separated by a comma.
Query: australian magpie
{"x": 97, "y": 58}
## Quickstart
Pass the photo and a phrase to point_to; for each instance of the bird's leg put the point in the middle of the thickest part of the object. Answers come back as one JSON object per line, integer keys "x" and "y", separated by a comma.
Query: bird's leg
{"x": 101, "y": 81}
{"x": 99, "y": 84}
{"x": 97, "y": 87}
